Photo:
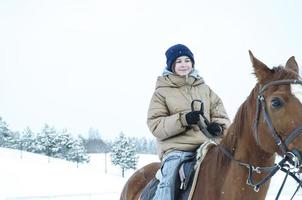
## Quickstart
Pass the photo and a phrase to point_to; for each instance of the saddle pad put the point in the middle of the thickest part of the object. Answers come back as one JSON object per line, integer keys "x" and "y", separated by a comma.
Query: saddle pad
{"x": 201, "y": 153}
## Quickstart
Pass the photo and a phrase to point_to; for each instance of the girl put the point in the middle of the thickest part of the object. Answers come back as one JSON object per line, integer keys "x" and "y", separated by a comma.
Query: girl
{"x": 171, "y": 120}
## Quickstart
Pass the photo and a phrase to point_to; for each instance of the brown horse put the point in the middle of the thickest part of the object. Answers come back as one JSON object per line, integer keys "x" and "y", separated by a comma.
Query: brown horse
{"x": 268, "y": 122}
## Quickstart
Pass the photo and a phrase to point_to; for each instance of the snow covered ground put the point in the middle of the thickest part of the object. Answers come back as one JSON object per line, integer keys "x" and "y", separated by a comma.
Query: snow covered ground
{"x": 38, "y": 178}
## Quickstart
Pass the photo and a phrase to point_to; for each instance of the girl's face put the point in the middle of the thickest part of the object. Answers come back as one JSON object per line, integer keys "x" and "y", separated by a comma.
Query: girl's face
{"x": 183, "y": 66}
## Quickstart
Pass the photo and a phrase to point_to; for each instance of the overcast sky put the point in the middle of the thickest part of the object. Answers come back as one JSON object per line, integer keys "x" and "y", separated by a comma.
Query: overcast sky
{"x": 94, "y": 63}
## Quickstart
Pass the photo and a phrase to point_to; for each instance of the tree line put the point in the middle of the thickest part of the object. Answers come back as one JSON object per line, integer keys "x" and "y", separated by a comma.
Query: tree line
{"x": 48, "y": 141}
{"x": 61, "y": 144}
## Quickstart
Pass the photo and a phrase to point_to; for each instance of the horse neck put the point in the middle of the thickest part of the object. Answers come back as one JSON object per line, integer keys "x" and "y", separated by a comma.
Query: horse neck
{"x": 240, "y": 138}
{"x": 230, "y": 177}
{"x": 248, "y": 151}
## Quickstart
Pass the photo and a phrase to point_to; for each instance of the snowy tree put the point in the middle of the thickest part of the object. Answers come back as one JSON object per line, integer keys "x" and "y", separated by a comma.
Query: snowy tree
{"x": 38, "y": 144}
{"x": 144, "y": 145}
{"x": 77, "y": 152}
{"x": 4, "y": 132}
{"x": 50, "y": 140}
{"x": 7, "y": 137}
{"x": 152, "y": 146}
{"x": 124, "y": 153}
{"x": 65, "y": 142}
{"x": 27, "y": 140}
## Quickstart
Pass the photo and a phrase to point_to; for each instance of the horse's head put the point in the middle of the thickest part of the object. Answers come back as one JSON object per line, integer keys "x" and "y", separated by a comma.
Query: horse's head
{"x": 278, "y": 121}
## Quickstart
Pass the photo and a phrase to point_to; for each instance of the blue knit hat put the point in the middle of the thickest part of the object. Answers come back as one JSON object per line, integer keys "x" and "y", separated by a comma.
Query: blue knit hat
{"x": 176, "y": 51}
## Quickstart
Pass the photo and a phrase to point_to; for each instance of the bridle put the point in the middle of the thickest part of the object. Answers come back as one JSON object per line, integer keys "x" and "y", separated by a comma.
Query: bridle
{"x": 261, "y": 106}
{"x": 290, "y": 158}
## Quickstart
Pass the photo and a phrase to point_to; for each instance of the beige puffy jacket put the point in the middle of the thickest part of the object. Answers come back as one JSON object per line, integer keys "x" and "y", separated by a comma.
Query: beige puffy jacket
{"x": 169, "y": 104}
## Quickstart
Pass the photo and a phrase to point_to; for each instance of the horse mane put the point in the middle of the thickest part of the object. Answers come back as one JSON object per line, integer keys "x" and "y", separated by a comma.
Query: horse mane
{"x": 282, "y": 73}
{"x": 236, "y": 128}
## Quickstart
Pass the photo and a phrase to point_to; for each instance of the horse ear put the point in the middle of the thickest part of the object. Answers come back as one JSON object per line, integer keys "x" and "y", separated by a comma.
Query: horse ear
{"x": 292, "y": 64}
{"x": 262, "y": 72}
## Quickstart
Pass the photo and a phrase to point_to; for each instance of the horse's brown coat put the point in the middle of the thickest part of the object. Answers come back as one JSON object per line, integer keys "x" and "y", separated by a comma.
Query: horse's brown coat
{"x": 223, "y": 179}
{"x": 138, "y": 181}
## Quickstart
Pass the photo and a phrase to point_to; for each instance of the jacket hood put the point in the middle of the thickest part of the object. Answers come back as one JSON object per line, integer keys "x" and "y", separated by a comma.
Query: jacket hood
{"x": 169, "y": 79}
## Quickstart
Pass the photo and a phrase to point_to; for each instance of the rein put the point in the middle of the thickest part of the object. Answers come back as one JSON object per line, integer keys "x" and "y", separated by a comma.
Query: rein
{"x": 282, "y": 165}
{"x": 293, "y": 157}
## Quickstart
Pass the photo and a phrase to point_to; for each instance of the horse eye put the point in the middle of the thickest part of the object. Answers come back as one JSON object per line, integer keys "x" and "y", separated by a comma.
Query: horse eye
{"x": 277, "y": 103}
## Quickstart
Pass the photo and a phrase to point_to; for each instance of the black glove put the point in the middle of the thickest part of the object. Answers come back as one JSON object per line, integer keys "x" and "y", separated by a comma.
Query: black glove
{"x": 193, "y": 117}
{"x": 215, "y": 129}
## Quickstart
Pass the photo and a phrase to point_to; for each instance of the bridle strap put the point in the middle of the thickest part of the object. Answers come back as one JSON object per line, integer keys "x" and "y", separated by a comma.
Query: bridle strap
{"x": 251, "y": 168}
{"x": 294, "y": 177}
{"x": 279, "y": 82}
{"x": 269, "y": 123}
{"x": 262, "y": 105}
{"x": 282, "y": 185}
{"x": 273, "y": 170}
{"x": 293, "y": 135}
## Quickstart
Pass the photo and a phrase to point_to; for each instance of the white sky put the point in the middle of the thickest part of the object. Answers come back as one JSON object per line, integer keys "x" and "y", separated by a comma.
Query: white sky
{"x": 93, "y": 63}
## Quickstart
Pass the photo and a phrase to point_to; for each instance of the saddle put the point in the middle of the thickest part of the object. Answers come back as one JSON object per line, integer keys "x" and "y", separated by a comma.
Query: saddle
{"x": 185, "y": 182}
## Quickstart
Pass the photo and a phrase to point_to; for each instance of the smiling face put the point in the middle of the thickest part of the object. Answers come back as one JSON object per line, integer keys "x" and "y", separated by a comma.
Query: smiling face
{"x": 183, "y": 66}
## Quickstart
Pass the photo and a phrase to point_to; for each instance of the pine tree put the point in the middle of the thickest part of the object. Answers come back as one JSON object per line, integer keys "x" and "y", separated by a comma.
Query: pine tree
{"x": 27, "y": 140}
{"x": 50, "y": 137}
{"x": 65, "y": 142}
{"x": 77, "y": 152}
{"x": 7, "y": 137}
{"x": 124, "y": 153}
